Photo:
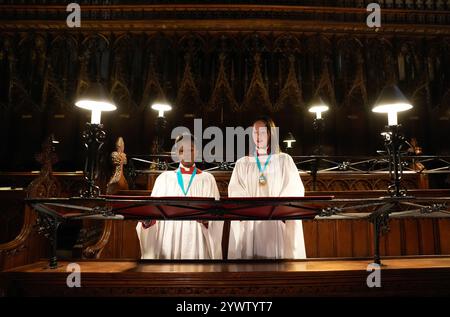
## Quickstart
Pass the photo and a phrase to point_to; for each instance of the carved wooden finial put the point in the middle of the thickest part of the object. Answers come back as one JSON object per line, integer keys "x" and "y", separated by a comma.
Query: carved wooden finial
{"x": 46, "y": 185}
{"x": 119, "y": 159}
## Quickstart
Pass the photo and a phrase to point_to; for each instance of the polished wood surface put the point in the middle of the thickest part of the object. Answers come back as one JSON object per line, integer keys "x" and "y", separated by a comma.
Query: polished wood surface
{"x": 329, "y": 238}
{"x": 342, "y": 277}
{"x": 204, "y": 266}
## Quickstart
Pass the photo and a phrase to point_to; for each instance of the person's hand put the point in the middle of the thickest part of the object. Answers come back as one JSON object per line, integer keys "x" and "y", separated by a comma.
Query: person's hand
{"x": 148, "y": 223}
{"x": 203, "y": 222}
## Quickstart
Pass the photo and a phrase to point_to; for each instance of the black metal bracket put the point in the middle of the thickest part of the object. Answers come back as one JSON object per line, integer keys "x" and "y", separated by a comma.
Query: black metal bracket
{"x": 318, "y": 126}
{"x": 380, "y": 221}
{"x": 394, "y": 141}
{"x": 47, "y": 225}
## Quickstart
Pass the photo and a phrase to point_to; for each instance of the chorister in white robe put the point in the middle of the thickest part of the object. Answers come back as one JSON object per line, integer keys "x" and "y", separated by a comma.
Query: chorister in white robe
{"x": 266, "y": 239}
{"x": 182, "y": 239}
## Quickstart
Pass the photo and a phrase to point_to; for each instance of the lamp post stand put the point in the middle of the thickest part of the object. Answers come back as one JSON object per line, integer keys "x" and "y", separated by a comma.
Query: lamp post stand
{"x": 93, "y": 137}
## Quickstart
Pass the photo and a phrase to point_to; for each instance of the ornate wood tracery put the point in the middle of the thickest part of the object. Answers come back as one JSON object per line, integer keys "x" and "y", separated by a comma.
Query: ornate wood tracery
{"x": 225, "y": 63}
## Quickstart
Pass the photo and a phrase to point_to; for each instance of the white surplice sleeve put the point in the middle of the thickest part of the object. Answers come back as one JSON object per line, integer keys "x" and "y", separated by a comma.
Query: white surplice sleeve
{"x": 293, "y": 187}
{"x": 292, "y": 184}
{"x": 160, "y": 187}
{"x": 238, "y": 186}
{"x": 213, "y": 190}
{"x": 215, "y": 228}
{"x": 148, "y": 236}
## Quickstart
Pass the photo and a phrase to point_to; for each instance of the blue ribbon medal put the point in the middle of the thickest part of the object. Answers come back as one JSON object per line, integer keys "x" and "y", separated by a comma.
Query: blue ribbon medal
{"x": 181, "y": 183}
{"x": 262, "y": 178}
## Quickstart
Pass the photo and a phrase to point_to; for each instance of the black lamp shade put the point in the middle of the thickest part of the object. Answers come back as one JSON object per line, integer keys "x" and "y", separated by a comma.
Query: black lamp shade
{"x": 391, "y": 99}
{"x": 95, "y": 97}
{"x": 289, "y": 138}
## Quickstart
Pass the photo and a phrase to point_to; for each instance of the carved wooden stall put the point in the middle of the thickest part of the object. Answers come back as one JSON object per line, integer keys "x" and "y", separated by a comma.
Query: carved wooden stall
{"x": 224, "y": 63}
{"x": 20, "y": 242}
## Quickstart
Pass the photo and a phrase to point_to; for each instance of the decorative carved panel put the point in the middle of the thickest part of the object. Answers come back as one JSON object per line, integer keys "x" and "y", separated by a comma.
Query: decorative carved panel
{"x": 225, "y": 64}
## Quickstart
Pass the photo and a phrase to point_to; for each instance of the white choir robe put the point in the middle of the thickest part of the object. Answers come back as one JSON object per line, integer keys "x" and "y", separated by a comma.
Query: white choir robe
{"x": 268, "y": 239}
{"x": 182, "y": 239}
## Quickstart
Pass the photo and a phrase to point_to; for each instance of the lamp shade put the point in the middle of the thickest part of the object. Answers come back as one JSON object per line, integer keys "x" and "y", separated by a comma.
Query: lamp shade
{"x": 289, "y": 138}
{"x": 318, "y": 106}
{"x": 161, "y": 107}
{"x": 391, "y": 101}
{"x": 95, "y": 98}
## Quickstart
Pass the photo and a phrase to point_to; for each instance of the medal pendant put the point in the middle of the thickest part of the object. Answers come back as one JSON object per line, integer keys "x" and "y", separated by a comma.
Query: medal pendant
{"x": 262, "y": 179}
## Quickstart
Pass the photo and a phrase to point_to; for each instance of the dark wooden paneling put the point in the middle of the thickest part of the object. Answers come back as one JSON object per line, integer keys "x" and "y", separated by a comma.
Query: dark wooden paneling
{"x": 427, "y": 242}
{"x": 361, "y": 238}
{"x": 444, "y": 235}
{"x": 311, "y": 238}
{"x": 411, "y": 236}
{"x": 25, "y": 248}
{"x": 185, "y": 64}
{"x": 326, "y": 238}
{"x": 123, "y": 242}
{"x": 130, "y": 240}
{"x": 344, "y": 239}
{"x": 392, "y": 240}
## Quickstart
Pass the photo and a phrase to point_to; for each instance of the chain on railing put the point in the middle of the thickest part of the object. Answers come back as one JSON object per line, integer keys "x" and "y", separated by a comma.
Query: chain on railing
{"x": 426, "y": 164}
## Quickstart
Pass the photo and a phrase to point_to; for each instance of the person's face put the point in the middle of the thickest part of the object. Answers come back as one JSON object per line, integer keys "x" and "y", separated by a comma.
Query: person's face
{"x": 260, "y": 135}
{"x": 186, "y": 153}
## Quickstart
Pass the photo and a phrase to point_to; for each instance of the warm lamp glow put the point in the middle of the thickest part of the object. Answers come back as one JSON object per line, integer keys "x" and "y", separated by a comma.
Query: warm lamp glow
{"x": 161, "y": 108}
{"x": 289, "y": 140}
{"x": 318, "y": 110}
{"x": 391, "y": 101}
{"x": 318, "y": 106}
{"x": 95, "y": 99}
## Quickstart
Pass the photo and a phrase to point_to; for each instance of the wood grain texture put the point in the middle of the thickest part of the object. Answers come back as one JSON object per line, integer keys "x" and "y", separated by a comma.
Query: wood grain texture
{"x": 400, "y": 276}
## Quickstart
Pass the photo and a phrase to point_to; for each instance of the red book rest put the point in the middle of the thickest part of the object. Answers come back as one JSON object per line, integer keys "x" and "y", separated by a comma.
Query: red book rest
{"x": 199, "y": 208}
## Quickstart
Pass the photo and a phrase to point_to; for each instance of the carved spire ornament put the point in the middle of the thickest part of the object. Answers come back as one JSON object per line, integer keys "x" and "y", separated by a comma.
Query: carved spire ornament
{"x": 188, "y": 96}
{"x": 222, "y": 94}
{"x": 257, "y": 94}
{"x": 292, "y": 93}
